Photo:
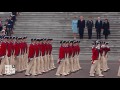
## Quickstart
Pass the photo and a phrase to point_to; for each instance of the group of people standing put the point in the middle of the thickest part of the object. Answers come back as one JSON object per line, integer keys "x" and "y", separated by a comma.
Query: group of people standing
{"x": 99, "y": 60}
{"x": 68, "y": 60}
{"x": 78, "y": 26}
{"x": 7, "y": 28}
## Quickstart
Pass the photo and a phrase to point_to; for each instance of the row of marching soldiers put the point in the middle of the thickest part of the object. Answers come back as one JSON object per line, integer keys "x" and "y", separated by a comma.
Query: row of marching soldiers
{"x": 68, "y": 58}
{"x": 40, "y": 58}
{"x": 99, "y": 60}
{"x": 13, "y": 52}
{"x": 35, "y": 58}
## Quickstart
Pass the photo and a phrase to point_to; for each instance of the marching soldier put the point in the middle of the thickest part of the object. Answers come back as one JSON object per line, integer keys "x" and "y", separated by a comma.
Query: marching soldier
{"x": 52, "y": 66}
{"x": 37, "y": 57}
{"x": 41, "y": 56}
{"x": 3, "y": 52}
{"x": 71, "y": 56}
{"x": 47, "y": 54}
{"x": 13, "y": 57}
{"x": 98, "y": 70}
{"x": 67, "y": 60}
{"x": 107, "y": 49}
{"x": 95, "y": 61}
{"x": 9, "y": 53}
{"x": 25, "y": 52}
{"x": 102, "y": 47}
{"x": 61, "y": 60}
{"x": 44, "y": 55}
{"x": 17, "y": 54}
{"x": 78, "y": 53}
{"x": 74, "y": 57}
{"x": 31, "y": 56}
{"x": 22, "y": 50}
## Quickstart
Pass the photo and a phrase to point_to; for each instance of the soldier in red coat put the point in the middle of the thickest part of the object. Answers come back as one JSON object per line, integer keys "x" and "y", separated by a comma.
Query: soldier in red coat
{"x": 47, "y": 54}
{"x": 78, "y": 55}
{"x": 17, "y": 54}
{"x": 22, "y": 51}
{"x": 67, "y": 59}
{"x": 25, "y": 52}
{"x": 95, "y": 61}
{"x": 31, "y": 56}
{"x": 71, "y": 56}
{"x": 3, "y": 55}
{"x": 61, "y": 60}
{"x": 44, "y": 55}
{"x": 13, "y": 57}
{"x": 41, "y": 53}
{"x": 52, "y": 65}
{"x": 106, "y": 50}
{"x": 9, "y": 50}
{"x": 37, "y": 51}
{"x": 75, "y": 56}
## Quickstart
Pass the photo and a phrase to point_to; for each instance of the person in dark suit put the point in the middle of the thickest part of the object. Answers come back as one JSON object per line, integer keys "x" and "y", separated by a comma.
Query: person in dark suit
{"x": 81, "y": 26}
{"x": 10, "y": 26}
{"x": 106, "y": 27}
{"x": 90, "y": 26}
{"x": 98, "y": 26}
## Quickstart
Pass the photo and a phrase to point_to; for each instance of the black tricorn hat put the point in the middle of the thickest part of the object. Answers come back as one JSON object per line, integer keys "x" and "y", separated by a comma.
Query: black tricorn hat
{"x": 10, "y": 37}
{"x": 38, "y": 39}
{"x": 35, "y": 39}
{"x": 61, "y": 42}
{"x": 32, "y": 39}
{"x": 16, "y": 37}
{"x": 107, "y": 43}
{"x": 13, "y": 37}
{"x": 64, "y": 42}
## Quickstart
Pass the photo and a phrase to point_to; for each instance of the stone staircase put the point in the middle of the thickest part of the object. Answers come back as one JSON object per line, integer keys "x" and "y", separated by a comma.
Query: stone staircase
{"x": 57, "y": 25}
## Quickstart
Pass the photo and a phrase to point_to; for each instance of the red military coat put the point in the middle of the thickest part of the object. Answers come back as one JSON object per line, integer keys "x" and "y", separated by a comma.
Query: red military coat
{"x": 17, "y": 49}
{"x": 61, "y": 53}
{"x": 31, "y": 52}
{"x": 95, "y": 54}
{"x": 3, "y": 48}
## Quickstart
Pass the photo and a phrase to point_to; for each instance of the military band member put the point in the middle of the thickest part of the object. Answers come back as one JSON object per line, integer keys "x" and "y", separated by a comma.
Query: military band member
{"x": 31, "y": 56}
{"x": 107, "y": 49}
{"x": 76, "y": 64}
{"x": 102, "y": 53}
{"x": 61, "y": 60}
{"x": 95, "y": 61}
